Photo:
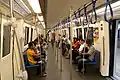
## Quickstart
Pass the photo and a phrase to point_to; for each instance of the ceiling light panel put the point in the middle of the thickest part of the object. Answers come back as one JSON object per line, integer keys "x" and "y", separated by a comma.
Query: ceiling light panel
{"x": 35, "y": 5}
{"x": 40, "y": 18}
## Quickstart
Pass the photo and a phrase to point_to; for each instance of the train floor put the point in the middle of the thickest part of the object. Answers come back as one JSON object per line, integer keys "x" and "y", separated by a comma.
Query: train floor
{"x": 54, "y": 69}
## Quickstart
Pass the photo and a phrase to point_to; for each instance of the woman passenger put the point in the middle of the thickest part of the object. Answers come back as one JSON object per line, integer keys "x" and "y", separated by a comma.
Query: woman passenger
{"x": 31, "y": 55}
{"x": 75, "y": 47}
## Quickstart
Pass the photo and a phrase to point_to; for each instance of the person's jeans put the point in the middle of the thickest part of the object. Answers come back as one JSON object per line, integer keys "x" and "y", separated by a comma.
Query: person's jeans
{"x": 80, "y": 63}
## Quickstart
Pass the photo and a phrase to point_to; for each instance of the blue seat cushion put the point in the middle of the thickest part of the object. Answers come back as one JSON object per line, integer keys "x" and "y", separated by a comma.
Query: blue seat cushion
{"x": 31, "y": 66}
{"x": 95, "y": 59}
{"x": 27, "y": 65}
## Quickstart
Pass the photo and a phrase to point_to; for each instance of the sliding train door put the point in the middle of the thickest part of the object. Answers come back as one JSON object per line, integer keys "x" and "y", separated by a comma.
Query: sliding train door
{"x": 6, "y": 52}
{"x": 116, "y": 68}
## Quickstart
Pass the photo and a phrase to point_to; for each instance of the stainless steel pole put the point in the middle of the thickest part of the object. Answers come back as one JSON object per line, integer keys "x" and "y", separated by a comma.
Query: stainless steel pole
{"x": 38, "y": 41}
{"x": 11, "y": 14}
{"x": 61, "y": 68}
{"x": 71, "y": 11}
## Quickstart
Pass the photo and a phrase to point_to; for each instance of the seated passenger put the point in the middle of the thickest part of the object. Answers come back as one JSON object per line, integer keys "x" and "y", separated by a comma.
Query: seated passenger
{"x": 75, "y": 52}
{"x": 82, "y": 44}
{"x": 76, "y": 44}
{"x": 90, "y": 54}
{"x": 31, "y": 55}
{"x": 81, "y": 49}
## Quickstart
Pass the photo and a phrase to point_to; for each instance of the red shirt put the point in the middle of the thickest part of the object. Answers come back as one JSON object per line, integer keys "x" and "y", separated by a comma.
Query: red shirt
{"x": 76, "y": 45}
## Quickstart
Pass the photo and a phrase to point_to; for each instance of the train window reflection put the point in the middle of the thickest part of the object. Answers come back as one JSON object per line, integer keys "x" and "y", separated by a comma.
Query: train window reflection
{"x": 96, "y": 34}
{"x": 6, "y": 40}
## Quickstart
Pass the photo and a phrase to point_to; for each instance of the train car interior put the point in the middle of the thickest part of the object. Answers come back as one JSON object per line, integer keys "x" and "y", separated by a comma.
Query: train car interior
{"x": 59, "y": 39}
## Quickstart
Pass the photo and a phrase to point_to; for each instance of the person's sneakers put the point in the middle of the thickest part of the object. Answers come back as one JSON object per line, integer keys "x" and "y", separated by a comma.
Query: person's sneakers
{"x": 43, "y": 75}
{"x": 77, "y": 70}
{"x": 83, "y": 71}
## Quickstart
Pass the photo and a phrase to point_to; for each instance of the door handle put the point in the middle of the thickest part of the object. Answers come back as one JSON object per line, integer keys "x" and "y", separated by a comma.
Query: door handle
{"x": 103, "y": 50}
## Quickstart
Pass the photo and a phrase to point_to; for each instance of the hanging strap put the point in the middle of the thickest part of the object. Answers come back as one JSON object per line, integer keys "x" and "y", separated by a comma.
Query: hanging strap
{"x": 79, "y": 15}
{"x": 93, "y": 13}
{"x": 111, "y": 11}
{"x": 75, "y": 15}
{"x": 85, "y": 15}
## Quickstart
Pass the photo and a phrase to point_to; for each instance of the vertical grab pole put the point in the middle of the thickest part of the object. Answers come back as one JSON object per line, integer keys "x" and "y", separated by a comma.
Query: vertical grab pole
{"x": 55, "y": 47}
{"x": 11, "y": 14}
{"x": 71, "y": 11}
{"x": 38, "y": 40}
{"x": 57, "y": 50}
{"x": 59, "y": 40}
{"x": 61, "y": 62}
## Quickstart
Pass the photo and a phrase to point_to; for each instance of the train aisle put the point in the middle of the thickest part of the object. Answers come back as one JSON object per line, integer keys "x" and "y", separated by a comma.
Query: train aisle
{"x": 54, "y": 70}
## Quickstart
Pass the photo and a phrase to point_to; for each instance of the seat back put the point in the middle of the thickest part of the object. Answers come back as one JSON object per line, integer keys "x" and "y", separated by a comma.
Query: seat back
{"x": 96, "y": 56}
{"x": 25, "y": 59}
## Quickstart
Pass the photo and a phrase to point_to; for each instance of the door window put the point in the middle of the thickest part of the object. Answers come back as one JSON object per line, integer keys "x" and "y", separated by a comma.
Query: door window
{"x": 79, "y": 33}
{"x": 6, "y": 40}
{"x": 26, "y": 35}
{"x": 31, "y": 33}
{"x": 89, "y": 34}
{"x": 117, "y": 53}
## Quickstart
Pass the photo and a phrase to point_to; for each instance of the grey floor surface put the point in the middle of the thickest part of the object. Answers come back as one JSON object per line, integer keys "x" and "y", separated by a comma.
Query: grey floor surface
{"x": 54, "y": 69}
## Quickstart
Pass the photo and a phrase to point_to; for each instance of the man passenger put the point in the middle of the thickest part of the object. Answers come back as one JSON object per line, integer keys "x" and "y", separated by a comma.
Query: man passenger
{"x": 90, "y": 54}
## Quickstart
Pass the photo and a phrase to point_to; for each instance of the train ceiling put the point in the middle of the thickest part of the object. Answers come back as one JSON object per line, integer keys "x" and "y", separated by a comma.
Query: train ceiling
{"x": 18, "y": 7}
{"x": 22, "y": 9}
{"x": 59, "y": 9}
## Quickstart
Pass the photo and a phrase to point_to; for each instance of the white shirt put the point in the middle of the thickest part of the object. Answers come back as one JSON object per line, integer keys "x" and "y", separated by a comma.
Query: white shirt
{"x": 69, "y": 41}
{"x": 81, "y": 47}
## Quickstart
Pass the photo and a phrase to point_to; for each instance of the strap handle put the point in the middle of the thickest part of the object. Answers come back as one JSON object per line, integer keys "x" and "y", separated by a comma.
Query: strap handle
{"x": 111, "y": 11}
{"x": 79, "y": 15}
{"x": 75, "y": 14}
{"x": 94, "y": 11}
{"x": 85, "y": 15}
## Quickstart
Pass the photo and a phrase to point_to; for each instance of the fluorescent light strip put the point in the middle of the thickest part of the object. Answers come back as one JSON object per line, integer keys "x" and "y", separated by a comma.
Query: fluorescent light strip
{"x": 25, "y": 6}
{"x": 35, "y": 6}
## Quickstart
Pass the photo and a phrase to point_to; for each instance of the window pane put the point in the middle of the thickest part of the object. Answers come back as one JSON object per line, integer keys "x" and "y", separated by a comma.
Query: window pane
{"x": 26, "y": 35}
{"x": 79, "y": 33}
{"x": 31, "y": 33}
{"x": 96, "y": 34}
{"x": 6, "y": 40}
{"x": 89, "y": 34}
